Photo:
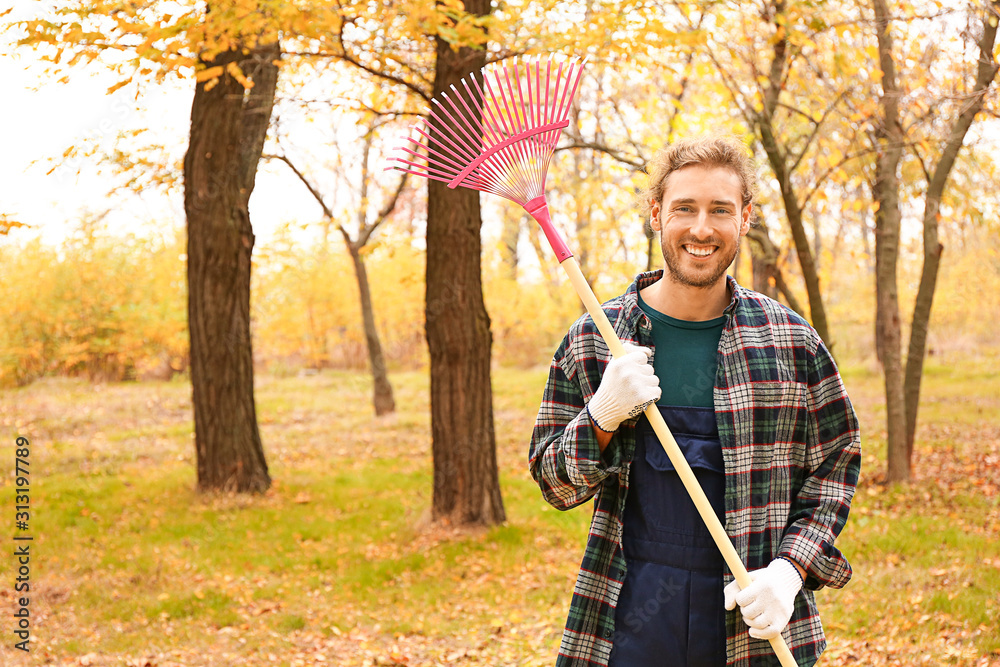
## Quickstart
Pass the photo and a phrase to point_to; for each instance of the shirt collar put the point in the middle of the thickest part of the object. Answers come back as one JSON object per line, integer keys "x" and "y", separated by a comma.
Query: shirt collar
{"x": 647, "y": 278}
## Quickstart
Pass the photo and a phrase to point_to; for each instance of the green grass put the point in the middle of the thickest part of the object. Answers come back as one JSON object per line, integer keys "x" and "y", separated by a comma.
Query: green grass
{"x": 338, "y": 556}
{"x": 924, "y": 554}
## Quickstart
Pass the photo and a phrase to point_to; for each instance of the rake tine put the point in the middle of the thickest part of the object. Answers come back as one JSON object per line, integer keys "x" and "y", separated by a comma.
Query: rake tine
{"x": 517, "y": 150}
{"x": 527, "y": 112}
{"x": 448, "y": 133}
{"x": 437, "y": 166}
{"x": 496, "y": 124}
{"x": 491, "y": 134}
{"x": 429, "y": 168}
{"x": 471, "y": 115}
{"x": 483, "y": 143}
{"x": 547, "y": 117}
{"x": 555, "y": 112}
{"x": 488, "y": 131}
{"x": 448, "y": 144}
{"x": 462, "y": 123}
{"x": 535, "y": 120}
{"x": 489, "y": 128}
{"x": 508, "y": 130}
{"x": 445, "y": 155}
{"x": 542, "y": 117}
{"x": 579, "y": 72}
{"x": 515, "y": 104}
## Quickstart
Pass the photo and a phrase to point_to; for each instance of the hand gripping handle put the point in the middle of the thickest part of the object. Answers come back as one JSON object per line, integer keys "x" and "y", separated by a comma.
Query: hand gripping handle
{"x": 690, "y": 482}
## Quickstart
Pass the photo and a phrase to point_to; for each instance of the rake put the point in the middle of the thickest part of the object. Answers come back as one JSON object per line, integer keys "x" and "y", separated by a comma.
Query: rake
{"x": 496, "y": 134}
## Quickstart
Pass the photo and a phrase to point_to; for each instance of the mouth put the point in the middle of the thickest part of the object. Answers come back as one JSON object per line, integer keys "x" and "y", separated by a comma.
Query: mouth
{"x": 700, "y": 251}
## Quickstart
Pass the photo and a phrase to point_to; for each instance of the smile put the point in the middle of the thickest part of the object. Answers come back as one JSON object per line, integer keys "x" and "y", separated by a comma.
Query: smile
{"x": 699, "y": 251}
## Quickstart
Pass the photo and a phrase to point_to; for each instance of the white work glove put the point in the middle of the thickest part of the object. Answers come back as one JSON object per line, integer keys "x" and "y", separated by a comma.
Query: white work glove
{"x": 627, "y": 387}
{"x": 767, "y": 603}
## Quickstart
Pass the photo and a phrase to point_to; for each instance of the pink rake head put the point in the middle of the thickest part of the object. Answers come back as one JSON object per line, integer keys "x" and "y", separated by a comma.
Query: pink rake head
{"x": 496, "y": 134}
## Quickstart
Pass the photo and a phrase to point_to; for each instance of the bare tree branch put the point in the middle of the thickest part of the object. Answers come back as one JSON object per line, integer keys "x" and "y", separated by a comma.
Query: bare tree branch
{"x": 817, "y": 124}
{"x": 731, "y": 87}
{"x": 365, "y": 229}
{"x": 601, "y": 148}
{"x": 424, "y": 95}
{"x": 346, "y": 56}
{"x": 386, "y": 210}
{"x": 305, "y": 181}
{"x": 830, "y": 170}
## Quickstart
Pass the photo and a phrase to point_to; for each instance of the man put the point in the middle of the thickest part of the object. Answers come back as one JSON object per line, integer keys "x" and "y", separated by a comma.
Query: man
{"x": 756, "y": 404}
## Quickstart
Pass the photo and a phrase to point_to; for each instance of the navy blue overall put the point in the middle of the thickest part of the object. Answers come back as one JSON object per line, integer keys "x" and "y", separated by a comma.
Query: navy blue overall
{"x": 670, "y": 611}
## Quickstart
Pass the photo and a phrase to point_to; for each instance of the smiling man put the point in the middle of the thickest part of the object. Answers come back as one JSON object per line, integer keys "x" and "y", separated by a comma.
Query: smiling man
{"x": 756, "y": 404}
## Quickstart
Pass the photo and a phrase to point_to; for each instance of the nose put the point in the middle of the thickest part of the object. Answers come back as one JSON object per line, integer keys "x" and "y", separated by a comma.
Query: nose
{"x": 701, "y": 228}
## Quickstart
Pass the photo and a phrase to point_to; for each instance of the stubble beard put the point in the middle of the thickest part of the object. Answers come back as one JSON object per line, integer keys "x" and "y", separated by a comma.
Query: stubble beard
{"x": 672, "y": 259}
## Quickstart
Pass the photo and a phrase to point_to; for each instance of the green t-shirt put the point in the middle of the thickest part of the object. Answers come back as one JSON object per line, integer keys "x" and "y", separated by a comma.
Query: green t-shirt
{"x": 685, "y": 359}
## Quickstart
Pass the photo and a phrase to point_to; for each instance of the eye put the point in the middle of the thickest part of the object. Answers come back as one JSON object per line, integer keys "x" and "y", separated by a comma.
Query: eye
{"x": 721, "y": 211}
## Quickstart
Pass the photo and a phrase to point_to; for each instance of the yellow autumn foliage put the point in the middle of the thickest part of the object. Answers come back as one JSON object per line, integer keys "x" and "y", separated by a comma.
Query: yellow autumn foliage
{"x": 102, "y": 306}
{"x": 306, "y": 312}
{"x": 112, "y": 308}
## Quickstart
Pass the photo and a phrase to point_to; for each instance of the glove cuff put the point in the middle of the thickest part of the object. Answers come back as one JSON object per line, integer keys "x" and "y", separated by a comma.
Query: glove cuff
{"x": 593, "y": 420}
{"x": 794, "y": 567}
{"x": 601, "y": 410}
{"x": 786, "y": 574}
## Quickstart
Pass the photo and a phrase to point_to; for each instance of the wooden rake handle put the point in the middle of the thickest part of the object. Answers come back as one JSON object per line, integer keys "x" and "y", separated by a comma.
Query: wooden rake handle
{"x": 540, "y": 213}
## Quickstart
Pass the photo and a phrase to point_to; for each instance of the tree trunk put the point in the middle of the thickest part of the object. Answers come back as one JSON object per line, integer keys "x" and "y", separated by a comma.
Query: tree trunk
{"x": 763, "y": 273}
{"x": 866, "y": 245}
{"x": 508, "y": 244}
{"x": 466, "y": 482}
{"x": 887, "y": 223}
{"x": 786, "y": 291}
{"x": 793, "y": 212}
{"x": 918, "y": 331}
{"x": 762, "y": 260}
{"x": 837, "y": 244}
{"x": 777, "y": 158}
{"x": 765, "y": 267}
{"x": 810, "y": 274}
{"x": 382, "y": 391}
{"x": 985, "y": 76}
{"x": 227, "y": 134}
{"x": 879, "y": 334}
{"x": 817, "y": 240}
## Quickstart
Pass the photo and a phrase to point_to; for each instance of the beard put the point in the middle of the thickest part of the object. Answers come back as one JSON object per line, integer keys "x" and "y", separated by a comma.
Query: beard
{"x": 707, "y": 276}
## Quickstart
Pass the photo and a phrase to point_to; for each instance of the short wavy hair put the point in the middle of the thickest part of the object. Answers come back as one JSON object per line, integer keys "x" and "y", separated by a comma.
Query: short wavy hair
{"x": 713, "y": 151}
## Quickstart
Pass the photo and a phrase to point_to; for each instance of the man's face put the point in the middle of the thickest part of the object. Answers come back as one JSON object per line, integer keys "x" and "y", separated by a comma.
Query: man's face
{"x": 700, "y": 220}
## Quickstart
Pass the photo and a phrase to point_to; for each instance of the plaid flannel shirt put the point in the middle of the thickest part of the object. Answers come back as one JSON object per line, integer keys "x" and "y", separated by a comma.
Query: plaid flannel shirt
{"x": 790, "y": 443}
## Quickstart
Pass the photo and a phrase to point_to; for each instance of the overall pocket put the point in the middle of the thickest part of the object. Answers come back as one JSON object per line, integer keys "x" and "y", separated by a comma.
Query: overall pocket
{"x": 656, "y": 488}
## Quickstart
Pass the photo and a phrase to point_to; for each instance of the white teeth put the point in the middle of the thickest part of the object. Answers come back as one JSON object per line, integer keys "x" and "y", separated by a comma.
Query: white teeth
{"x": 699, "y": 252}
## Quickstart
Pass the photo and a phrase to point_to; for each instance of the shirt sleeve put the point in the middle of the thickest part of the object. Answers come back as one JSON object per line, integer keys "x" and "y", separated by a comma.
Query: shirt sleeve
{"x": 820, "y": 508}
{"x": 564, "y": 458}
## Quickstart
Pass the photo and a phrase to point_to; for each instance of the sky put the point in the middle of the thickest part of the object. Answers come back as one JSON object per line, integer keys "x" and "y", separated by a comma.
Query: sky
{"x": 43, "y": 118}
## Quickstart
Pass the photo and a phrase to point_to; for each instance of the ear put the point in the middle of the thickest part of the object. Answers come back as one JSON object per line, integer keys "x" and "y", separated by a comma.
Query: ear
{"x": 746, "y": 218}
{"x": 654, "y": 215}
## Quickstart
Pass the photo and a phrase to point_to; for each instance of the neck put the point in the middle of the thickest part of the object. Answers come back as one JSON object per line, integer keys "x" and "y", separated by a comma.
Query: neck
{"x": 684, "y": 302}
